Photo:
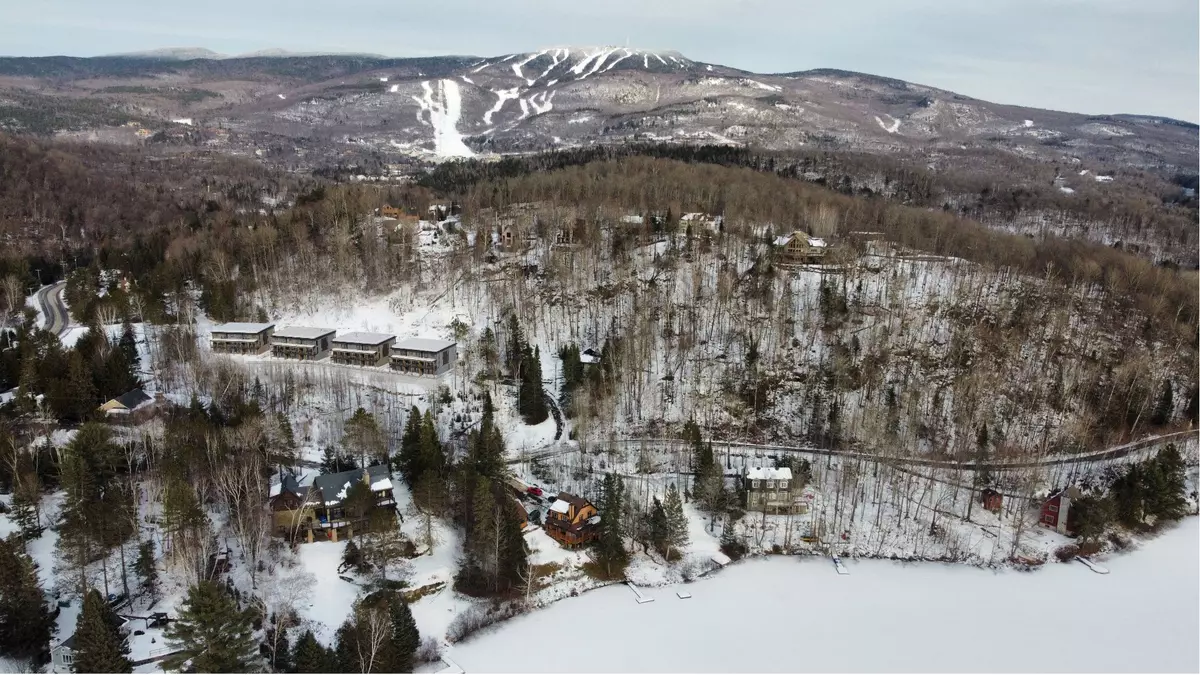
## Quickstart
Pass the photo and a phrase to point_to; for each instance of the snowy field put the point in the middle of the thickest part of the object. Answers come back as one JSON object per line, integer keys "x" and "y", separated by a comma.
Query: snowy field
{"x": 786, "y": 614}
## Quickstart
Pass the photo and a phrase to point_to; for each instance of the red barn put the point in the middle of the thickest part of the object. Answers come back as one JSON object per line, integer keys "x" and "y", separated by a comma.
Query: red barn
{"x": 1056, "y": 511}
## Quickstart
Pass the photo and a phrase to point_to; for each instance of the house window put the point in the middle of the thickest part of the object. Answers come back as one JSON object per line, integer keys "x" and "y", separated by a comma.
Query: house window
{"x": 771, "y": 496}
{"x": 68, "y": 658}
{"x": 770, "y": 484}
{"x": 754, "y": 484}
{"x": 783, "y": 485}
{"x": 1053, "y": 509}
{"x": 1048, "y": 519}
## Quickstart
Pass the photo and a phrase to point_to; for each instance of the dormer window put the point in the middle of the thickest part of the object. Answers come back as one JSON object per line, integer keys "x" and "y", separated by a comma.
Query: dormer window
{"x": 783, "y": 485}
{"x": 754, "y": 484}
{"x": 770, "y": 485}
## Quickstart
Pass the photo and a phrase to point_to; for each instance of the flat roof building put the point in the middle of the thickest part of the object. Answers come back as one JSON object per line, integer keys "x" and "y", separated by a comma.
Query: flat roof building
{"x": 363, "y": 349}
{"x": 302, "y": 342}
{"x": 242, "y": 338}
{"x": 424, "y": 356}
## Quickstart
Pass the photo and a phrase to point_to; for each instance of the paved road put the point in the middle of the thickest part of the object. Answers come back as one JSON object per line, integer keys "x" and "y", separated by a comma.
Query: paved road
{"x": 53, "y": 308}
{"x": 742, "y": 448}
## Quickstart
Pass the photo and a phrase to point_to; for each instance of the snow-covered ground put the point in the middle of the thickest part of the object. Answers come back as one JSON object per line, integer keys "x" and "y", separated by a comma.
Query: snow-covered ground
{"x": 786, "y": 614}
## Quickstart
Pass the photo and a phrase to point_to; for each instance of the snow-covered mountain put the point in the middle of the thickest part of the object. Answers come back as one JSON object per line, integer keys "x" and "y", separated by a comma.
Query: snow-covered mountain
{"x": 561, "y": 97}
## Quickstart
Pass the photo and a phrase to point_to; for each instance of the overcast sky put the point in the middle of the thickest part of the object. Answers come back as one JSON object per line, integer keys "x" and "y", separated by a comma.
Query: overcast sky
{"x": 1092, "y": 56}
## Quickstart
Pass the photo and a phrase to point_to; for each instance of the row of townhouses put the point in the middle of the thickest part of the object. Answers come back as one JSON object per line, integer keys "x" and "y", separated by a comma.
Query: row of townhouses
{"x": 413, "y": 356}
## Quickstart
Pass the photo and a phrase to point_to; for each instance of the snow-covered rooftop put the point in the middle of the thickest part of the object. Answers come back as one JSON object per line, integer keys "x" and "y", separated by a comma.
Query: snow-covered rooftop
{"x": 361, "y": 338}
{"x": 302, "y": 332}
{"x": 242, "y": 327}
{"x": 763, "y": 473}
{"x": 816, "y": 242}
{"x": 560, "y": 506}
{"x": 424, "y": 344}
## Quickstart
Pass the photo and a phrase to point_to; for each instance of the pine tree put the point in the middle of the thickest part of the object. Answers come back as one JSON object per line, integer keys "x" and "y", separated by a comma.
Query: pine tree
{"x": 212, "y": 633}
{"x": 610, "y": 546}
{"x": 146, "y": 569}
{"x": 406, "y": 639}
{"x": 365, "y": 439}
{"x": 675, "y": 534}
{"x": 531, "y": 401}
{"x": 515, "y": 352}
{"x": 310, "y": 656}
{"x": 353, "y": 559}
{"x": 1165, "y": 483}
{"x": 513, "y": 561}
{"x": 429, "y": 448}
{"x": 128, "y": 345}
{"x": 408, "y": 460}
{"x": 25, "y": 621}
{"x": 656, "y": 526}
{"x": 100, "y": 646}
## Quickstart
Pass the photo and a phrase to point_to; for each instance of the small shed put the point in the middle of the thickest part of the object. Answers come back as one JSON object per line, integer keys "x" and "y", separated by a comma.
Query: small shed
{"x": 992, "y": 500}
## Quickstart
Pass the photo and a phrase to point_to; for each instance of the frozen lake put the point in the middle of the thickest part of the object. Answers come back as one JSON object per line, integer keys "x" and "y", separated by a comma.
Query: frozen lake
{"x": 790, "y": 614}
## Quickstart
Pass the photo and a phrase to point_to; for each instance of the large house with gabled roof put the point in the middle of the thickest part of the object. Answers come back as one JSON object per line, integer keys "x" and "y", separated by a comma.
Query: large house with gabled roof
{"x": 304, "y": 509}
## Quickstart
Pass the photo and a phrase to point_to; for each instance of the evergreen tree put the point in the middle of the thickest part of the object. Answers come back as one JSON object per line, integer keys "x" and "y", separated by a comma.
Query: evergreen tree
{"x": 1193, "y": 405}
{"x": 485, "y": 446}
{"x": 406, "y": 639}
{"x": 146, "y": 569}
{"x": 408, "y": 460}
{"x": 610, "y": 546}
{"x": 212, "y": 633}
{"x": 1092, "y": 516}
{"x": 656, "y": 526}
{"x": 513, "y": 561}
{"x": 429, "y": 448}
{"x": 364, "y": 438}
{"x": 531, "y": 401}
{"x": 1128, "y": 496}
{"x": 675, "y": 532}
{"x": 310, "y": 656}
{"x": 353, "y": 559}
{"x": 100, "y": 646}
{"x": 1165, "y": 485}
{"x": 1164, "y": 412}
{"x": 25, "y": 621}
{"x": 128, "y": 345}
{"x": 515, "y": 347}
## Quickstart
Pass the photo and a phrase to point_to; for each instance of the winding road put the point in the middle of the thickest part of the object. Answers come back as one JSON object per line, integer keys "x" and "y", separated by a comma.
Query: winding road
{"x": 50, "y": 300}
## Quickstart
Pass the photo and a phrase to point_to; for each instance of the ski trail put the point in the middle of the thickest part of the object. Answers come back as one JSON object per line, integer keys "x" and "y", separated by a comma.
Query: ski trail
{"x": 660, "y": 59}
{"x": 485, "y": 65}
{"x": 444, "y": 110}
{"x": 599, "y": 62}
{"x": 610, "y": 66}
{"x": 557, "y": 60}
{"x": 578, "y": 68}
{"x": 524, "y": 108}
{"x": 517, "y": 68}
{"x": 502, "y": 96}
{"x": 546, "y": 105}
{"x": 646, "y": 61}
{"x": 890, "y": 129}
{"x": 467, "y": 79}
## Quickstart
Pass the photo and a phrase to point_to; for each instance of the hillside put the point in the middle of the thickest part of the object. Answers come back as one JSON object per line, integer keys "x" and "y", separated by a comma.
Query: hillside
{"x": 571, "y": 96}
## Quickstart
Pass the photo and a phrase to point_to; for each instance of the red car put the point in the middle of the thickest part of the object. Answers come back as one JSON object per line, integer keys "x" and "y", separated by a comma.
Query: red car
{"x": 535, "y": 491}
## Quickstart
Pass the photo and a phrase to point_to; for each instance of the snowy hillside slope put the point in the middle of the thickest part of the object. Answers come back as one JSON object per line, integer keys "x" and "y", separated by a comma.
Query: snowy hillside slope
{"x": 568, "y": 96}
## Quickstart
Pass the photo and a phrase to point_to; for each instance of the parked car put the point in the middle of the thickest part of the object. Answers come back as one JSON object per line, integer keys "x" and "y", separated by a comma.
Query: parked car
{"x": 535, "y": 491}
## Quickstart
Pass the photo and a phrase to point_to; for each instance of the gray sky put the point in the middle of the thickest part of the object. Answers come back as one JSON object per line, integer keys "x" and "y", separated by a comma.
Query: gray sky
{"x": 1092, "y": 56}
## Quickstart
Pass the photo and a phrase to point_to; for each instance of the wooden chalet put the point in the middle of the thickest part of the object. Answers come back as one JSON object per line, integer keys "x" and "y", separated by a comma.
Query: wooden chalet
{"x": 319, "y": 509}
{"x": 800, "y": 247}
{"x": 572, "y": 521}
